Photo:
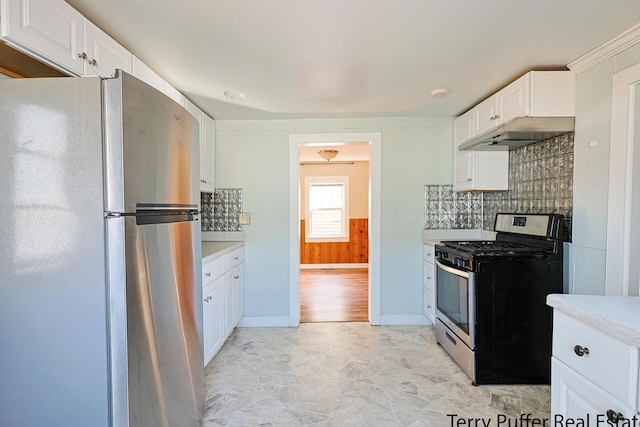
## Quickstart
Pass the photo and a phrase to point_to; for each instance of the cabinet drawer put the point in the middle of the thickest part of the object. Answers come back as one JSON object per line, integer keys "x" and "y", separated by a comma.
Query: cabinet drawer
{"x": 429, "y": 251}
{"x": 604, "y": 361}
{"x": 234, "y": 258}
{"x": 212, "y": 270}
{"x": 429, "y": 277}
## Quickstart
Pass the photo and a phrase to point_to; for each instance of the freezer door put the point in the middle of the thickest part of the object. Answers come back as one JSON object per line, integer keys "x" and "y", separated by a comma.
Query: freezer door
{"x": 53, "y": 317}
{"x": 164, "y": 323}
{"x": 151, "y": 147}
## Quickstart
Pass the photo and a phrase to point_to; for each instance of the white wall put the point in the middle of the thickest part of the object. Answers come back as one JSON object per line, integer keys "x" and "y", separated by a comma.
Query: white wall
{"x": 253, "y": 155}
{"x": 591, "y": 172}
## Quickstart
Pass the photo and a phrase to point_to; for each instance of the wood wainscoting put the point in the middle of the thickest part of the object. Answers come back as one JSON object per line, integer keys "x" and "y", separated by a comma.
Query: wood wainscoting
{"x": 356, "y": 250}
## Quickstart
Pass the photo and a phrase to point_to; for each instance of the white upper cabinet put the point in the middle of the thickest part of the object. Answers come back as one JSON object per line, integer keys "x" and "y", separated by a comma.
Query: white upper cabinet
{"x": 207, "y": 156}
{"x": 140, "y": 70}
{"x": 207, "y": 146}
{"x": 49, "y": 30}
{"x": 60, "y": 36}
{"x": 477, "y": 170}
{"x": 535, "y": 94}
{"x": 174, "y": 94}
{"x": 103, "y": 54}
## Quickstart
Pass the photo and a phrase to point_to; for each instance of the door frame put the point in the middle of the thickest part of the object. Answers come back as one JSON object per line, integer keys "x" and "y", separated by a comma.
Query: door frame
{"x": 375, "y": 152}
{"x": 620, "y": 180}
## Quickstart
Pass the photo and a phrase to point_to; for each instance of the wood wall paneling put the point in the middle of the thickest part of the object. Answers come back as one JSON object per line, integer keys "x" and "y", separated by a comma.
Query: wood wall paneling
{"x": 356, "y": 250}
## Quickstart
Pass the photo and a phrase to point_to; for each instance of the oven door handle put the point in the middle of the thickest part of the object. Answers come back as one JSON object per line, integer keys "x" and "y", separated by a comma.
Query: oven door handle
{"x": 452, "y": 270}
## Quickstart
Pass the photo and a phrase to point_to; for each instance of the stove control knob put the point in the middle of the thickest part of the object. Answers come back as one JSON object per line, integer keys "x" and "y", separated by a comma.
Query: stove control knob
{"x": 438, "y": 254}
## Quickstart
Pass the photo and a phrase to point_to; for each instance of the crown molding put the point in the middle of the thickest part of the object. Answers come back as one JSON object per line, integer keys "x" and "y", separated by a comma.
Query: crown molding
{"x": 606, "y": 50}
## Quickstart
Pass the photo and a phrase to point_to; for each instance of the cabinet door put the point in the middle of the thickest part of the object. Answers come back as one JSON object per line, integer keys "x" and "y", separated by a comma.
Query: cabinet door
{"x": 207, "y": 155}
{"x": 174, "y": 94}
{"x": 513, "y": 100}
{"x": 238, "y": 285}
{"x": 229, "y": 304}
{"x": 213, "y": 318}
{"x": 140, "y": 70}
{"x": 50, "y": 29}
{"x": 463, "y": 128}
{"x": 463, "y": 169}
{"x": 104, "y": 54}
{"x": 573, "y": 396}
{"x": 485, "y": 115}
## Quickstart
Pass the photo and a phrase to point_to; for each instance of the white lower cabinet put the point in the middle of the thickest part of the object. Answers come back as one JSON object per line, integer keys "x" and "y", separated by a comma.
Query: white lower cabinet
{"x": 573, "y": 397}
{"x": 594, "y": 377}
{"x": 213, "y": 305}
{"x": 429, "y": 276}
{"x": 223, "y": 300}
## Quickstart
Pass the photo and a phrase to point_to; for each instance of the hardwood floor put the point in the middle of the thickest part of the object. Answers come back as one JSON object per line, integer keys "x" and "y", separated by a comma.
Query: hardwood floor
{"x": 334, "y": 295}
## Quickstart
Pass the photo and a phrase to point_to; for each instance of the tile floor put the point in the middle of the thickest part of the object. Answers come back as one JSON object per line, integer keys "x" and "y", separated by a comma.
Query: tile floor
{"x": 353, "y": 374}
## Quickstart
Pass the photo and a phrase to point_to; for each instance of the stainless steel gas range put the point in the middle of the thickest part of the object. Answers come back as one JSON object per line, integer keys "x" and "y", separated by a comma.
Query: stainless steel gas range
{"x": 491, "y": 313}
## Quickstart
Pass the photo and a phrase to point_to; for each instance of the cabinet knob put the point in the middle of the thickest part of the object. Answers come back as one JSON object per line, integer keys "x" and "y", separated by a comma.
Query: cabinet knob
{"x": 93, "y": 62}
{"x": 204, "y": 181}
{"x": 580, "y": 350}
{"x": 207, "y": 274}
{"x": 82, "y": 55}
{"x": 469, "y": 179}
{"x": 235, "y": 277}
{"x": 235, "y": 257}
{"x": 614, "y": 416}
{"x": 428, "y": 277}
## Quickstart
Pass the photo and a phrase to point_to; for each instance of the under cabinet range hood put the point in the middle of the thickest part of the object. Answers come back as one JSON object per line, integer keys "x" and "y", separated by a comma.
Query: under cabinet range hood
{"x": 518, "y": 133}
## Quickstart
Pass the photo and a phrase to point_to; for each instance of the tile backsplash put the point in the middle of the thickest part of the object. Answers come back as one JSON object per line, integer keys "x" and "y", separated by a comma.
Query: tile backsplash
{"x": 220, "y": 209}
{"x": 540, "y": 180}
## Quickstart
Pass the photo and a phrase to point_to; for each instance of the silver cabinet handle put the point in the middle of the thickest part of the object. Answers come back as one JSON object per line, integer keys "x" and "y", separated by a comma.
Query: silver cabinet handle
{"x": 236, "y": 277}
{"x": 207, "y": 274}
{"x": 469, "y": 179}
{"x": 204, "y": 181}
{"x": 235, "y": 257}
{"x": 580, "y": 350}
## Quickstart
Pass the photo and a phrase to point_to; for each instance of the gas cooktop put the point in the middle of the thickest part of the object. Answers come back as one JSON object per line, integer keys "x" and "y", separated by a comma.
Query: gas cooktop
{"x": 492, "y": 247}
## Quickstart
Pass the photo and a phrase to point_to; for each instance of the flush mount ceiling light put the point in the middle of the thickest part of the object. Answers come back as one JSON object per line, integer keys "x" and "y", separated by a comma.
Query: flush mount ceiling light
{"x": 328, "y": 154}
{"x": 236, "y": 96}
{"x": 439, "y": 93}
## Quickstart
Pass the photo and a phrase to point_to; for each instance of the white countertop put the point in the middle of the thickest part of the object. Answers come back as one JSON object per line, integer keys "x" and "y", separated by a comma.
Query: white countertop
{"x": 212, "y": 250}
{"x": 618, "y": 317}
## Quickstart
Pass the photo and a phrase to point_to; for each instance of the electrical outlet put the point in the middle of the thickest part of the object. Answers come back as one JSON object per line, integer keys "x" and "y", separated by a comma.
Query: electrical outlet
{"x": 244, "y": 218}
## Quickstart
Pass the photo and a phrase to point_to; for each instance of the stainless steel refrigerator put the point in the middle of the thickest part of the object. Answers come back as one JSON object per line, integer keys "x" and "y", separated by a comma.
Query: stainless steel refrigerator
{"x": 100, "y": 256}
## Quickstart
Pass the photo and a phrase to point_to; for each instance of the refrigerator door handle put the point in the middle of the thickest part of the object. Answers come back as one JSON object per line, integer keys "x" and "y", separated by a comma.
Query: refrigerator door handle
{"x": 166, "y": 216}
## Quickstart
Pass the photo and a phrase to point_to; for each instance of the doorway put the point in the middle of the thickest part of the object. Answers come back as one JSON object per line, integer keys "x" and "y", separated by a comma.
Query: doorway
{"x": 623, "y": 227}
{"x": 355, "y": 280}
{"x": 334, "y": 217}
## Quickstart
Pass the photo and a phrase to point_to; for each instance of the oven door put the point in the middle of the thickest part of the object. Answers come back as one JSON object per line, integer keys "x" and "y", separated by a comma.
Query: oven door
{"x": 455, "y": 301}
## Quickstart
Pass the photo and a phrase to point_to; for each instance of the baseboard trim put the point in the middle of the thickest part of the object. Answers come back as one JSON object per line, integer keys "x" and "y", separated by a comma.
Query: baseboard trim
{"x": 390, "y": 320}
{"x": 264, "y": 322}
{"x": 332, "y": 266}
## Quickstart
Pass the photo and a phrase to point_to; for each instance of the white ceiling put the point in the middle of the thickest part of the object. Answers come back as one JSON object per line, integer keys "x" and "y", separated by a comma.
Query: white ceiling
{"x": 332, "y": 58}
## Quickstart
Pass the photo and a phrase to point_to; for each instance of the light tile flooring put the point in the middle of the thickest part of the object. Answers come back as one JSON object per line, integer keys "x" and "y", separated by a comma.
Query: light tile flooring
{"x": 353, "y": 374}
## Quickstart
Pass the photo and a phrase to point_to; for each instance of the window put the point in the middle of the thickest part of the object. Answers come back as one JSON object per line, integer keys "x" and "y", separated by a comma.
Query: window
{"x": 327, "y": 213}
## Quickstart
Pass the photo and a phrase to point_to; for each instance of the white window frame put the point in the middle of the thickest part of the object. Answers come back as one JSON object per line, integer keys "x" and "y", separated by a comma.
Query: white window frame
{"x": 308, "y": 181}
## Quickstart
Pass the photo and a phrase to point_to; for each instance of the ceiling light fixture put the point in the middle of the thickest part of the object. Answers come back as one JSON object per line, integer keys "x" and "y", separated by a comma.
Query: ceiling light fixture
{"x": 236, "y": 96}
{"x": 328, "y": 154}
{"x": 439, "y": 93}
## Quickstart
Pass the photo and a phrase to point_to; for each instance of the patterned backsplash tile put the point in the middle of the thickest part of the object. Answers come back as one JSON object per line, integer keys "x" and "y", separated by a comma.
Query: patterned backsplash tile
{"x": 220, "y": 209}
{"x": 540, "y": 180}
